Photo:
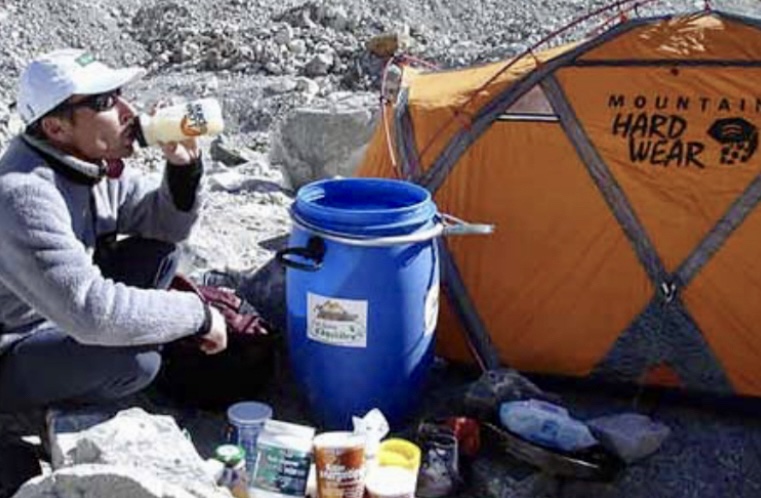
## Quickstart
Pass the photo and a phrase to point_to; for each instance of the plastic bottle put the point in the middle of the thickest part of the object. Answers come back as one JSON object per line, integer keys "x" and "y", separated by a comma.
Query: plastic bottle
{"x": 546, "y": 424}
{"x": 178, "y": 122}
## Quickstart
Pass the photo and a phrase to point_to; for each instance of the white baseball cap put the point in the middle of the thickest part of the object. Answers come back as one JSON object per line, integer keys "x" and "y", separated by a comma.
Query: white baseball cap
{"x": 53, "y": 77}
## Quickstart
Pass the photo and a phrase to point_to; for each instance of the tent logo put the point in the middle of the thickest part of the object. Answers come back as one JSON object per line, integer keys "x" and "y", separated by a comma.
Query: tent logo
{"x": 658, "y": 139}
{"x": 738, "y": 139}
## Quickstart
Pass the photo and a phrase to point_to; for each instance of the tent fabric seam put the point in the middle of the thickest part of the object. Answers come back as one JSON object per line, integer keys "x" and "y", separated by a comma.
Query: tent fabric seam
{"x": 606, "y": 184}
{"x": 740, "y": 209}
{"x": 405, "y": 137}
{"x": 665, "y": 62}
{"x": 477, "y": 335}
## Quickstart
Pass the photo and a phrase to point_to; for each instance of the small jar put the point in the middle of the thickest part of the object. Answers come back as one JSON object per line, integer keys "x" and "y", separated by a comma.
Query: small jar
{"x": 234, "y": 476}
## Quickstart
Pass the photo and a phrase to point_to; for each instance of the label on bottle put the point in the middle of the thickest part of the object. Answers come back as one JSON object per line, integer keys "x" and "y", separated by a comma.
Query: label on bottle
{"x": 340, "y": 470}
{"x": 194, "y": 123}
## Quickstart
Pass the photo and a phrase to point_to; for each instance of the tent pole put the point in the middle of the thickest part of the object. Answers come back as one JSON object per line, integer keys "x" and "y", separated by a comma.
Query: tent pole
{"x": 476, "y": 335}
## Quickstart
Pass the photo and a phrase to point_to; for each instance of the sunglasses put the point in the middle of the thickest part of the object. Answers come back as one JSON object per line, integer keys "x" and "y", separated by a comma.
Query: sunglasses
{"x": 99, "y": 102}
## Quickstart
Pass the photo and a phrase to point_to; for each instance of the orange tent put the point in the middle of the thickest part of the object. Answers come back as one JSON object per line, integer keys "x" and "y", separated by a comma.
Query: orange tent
{"x": 623, "y": 175}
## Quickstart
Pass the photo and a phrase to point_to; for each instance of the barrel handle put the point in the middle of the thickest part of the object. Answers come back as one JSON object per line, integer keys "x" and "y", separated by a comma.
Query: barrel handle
{"x": 444, "y": 225}
{"x": 314, "y": 252}
{"x": 456, "y": 226}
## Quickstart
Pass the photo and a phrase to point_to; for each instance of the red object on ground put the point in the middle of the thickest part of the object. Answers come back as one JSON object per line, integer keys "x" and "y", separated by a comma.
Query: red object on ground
{"x": 468, "y": 434}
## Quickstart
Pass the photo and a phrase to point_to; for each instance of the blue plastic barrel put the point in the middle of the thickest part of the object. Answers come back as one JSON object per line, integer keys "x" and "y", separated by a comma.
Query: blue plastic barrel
{"x": 362, "y": 290}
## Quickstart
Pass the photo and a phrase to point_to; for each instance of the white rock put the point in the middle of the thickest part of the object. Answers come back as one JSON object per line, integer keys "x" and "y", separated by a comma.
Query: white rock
{"x": 273, "y": 68}
{"x": 258, "y": 51}
{"x": 210, "y": 86}
{"x": 284, "y": 34}
{"x": 229, "y": 181}
{"x": 97, "y": 481}
{"x": 320, "y": 12}
{"x": 281, "y": 85}
{"x": 338, "y": 19}
{"x": 297, "y": 46}
{"x": 308, "y": 87}
{"x": 189, "y": 50}
{"x": 632, "y": 436}
{"x": 325, "y": 139}
{"x": 155, "y": 444}
{"x": 319, "y": 65}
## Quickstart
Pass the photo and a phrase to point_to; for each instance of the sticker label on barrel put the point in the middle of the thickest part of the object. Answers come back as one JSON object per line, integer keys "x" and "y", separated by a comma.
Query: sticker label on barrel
{"x": 431, "y": 309}
{"x": 338, "y": 322}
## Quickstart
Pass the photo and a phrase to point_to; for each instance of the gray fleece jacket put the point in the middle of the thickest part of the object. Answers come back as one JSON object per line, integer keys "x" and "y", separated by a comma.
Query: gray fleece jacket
{"x": 48, "y": 228}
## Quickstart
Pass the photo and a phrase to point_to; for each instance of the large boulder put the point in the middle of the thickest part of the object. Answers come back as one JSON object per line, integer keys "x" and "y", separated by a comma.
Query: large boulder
{"x": 326, "y": 139}
{"x": 135, "y": 443}
{"x": 97, "y": 481}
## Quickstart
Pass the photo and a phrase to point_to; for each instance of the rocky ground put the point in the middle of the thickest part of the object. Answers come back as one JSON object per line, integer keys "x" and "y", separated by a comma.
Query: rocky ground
{"x": 263, "y": 58}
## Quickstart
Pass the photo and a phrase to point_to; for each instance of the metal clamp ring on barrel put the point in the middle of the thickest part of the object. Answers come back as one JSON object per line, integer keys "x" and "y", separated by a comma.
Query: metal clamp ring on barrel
{"x": 419, "y": 236}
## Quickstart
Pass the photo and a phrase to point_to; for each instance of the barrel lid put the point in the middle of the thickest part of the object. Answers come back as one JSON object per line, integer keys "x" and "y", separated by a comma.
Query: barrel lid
{"x": 364, "y": 207}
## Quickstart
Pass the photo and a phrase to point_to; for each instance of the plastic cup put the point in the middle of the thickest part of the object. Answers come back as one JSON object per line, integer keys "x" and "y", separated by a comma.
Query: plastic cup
{"x": 340, "y": 463}
{"x": 397, "y": 452}
{"x": 390, "y": 482}
{"x": 246, "y": 422}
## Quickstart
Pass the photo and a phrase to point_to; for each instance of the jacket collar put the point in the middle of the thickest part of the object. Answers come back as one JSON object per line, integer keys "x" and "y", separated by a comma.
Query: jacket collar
{"x": 69, "y": 166}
